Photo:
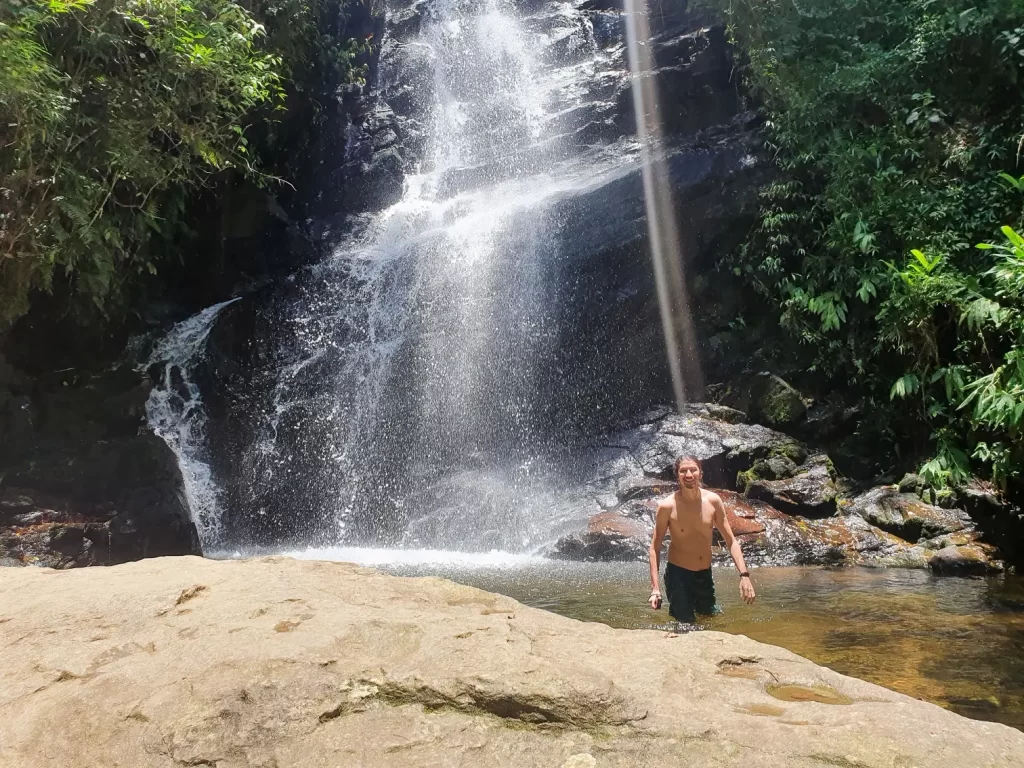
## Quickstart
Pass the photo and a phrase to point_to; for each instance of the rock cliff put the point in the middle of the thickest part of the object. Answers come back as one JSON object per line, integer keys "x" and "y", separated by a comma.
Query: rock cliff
{"x": 188, "y": 662}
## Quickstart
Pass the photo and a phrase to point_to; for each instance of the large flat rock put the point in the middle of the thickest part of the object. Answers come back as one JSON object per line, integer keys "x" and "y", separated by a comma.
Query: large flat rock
{"x": 176, "y": 662}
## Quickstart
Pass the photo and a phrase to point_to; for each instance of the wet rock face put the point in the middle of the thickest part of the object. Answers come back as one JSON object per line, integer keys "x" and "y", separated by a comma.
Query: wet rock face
{"x": 86, "y": 484}
{"x": 609, "y": 536}
{"x": 793, "y": 510}
{"x": 906, "y": 516}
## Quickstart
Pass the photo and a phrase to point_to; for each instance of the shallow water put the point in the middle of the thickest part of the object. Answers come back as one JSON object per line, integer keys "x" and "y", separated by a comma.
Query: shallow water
{"x": 956, "y": 642}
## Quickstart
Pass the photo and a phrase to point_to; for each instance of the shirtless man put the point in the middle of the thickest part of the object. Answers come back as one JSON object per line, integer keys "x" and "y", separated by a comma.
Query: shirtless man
{"x": 688, "y": 515}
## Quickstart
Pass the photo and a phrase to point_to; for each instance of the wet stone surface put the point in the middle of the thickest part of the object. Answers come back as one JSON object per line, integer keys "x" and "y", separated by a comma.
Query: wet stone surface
{"x": 790, "y": 506}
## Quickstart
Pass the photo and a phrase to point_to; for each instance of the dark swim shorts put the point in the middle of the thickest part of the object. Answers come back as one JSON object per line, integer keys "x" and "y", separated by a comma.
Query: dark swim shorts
{"x": 689, "y": 592}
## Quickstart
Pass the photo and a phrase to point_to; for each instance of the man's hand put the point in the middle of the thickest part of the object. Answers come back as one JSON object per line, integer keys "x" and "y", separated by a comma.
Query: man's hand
{"x": 655, "y": 600}
{"x": 747, "y": 590}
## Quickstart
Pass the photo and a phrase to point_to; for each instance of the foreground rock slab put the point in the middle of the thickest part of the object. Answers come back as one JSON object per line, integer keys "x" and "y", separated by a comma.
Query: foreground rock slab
{"x": 275, "y": 662}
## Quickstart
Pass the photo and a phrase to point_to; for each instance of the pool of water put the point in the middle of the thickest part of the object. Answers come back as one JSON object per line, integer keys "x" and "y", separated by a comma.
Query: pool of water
{"x": 956, "y": 642}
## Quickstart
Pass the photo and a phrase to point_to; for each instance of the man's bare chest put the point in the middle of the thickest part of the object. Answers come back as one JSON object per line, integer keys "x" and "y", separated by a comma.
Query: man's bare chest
{"x": 691, "y": 522}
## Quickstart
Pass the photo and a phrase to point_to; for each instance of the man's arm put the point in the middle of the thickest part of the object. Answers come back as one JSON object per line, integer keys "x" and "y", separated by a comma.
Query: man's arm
{"x": 722, "y": 523}
{"x": 660, "y": 526}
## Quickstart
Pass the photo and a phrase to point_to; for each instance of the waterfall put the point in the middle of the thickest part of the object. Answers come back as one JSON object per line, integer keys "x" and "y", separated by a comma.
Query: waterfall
{"x": 418, "y": 389}
{"x": 176, "y": 414}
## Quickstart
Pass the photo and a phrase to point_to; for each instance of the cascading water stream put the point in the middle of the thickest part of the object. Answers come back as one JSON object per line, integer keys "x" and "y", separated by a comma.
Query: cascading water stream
{"x": 175, "y": 413}
{"x": 419, "y": 388}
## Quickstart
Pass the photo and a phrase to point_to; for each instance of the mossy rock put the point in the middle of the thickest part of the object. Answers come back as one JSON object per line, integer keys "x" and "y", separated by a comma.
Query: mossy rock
{"x": 944, "y": 497}
{"x": 781, "y": 462}
{"x": 776, "y": 402}
{"x": 745, "y": 478}
{"x": 761, "y": 470}
{"x": 912, "y": 483}
{"x": 794, "y": 451}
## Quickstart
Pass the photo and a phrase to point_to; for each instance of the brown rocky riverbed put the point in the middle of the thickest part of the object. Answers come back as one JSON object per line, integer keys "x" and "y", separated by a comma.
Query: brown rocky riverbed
{"x": 277, "y": 662}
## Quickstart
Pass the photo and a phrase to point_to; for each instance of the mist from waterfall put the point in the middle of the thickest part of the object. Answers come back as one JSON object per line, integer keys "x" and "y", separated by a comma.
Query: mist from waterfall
{"x": 419, "y": 391}
{"x": 445, "y": 440}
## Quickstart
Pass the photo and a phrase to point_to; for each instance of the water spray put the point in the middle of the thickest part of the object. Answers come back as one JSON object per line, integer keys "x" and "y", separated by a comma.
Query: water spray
{"x": 666, "y": 247}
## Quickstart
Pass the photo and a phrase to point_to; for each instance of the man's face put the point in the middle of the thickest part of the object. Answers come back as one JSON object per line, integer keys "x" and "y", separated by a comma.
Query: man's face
{"x": 688, "y": 474}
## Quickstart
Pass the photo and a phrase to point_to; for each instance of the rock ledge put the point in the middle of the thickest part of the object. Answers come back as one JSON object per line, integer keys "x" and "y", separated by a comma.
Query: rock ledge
{"x": 275, "y": 662}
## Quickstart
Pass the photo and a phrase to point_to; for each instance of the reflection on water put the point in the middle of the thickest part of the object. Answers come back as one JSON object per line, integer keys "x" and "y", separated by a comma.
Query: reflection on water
{"x": 956, "y": 642}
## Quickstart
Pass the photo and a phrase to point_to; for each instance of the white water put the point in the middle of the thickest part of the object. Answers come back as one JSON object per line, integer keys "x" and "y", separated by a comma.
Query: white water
{"x": 383, "y": 557}
{"x": 437, "y": 325}
{"x": 175, "y": 413}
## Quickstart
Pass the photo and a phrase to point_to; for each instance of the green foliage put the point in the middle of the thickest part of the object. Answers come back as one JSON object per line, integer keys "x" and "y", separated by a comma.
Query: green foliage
{"x": 112, "y": 111}
{"x": 896, "y": 126}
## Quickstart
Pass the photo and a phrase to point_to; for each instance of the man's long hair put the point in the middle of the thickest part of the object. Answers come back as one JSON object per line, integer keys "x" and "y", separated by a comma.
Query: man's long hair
{"x": 682, "y": 459}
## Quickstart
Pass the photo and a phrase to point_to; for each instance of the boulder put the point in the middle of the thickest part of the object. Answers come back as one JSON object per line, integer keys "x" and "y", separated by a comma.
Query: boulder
{"x": 912, "y": 483}
{"x": 285, "y": 663}
{"x": 643, "y": 488}
{"x": 843, "y": 540}
{"x": 108, "y": 502}
{"x": 965, "y": 560}
{"x": 721, "y": 413}
{"x": 810, "y": 490}
{"x": 853, "y": 541}
{"x": 767, "y": 398}
{"x": 624, "y": 533}
{"x": 636, "y": 459}
{"x": 716, "y": 436}
{"x": 827, "y": 421}
{"x": 906, "y": 516}
{"x": 1001, "y": 521}
{"x": 742, "y": 514}
{"x": 848, "y": 539}
{"x": 777, "y": 403}
{"x": 609, "y": 536}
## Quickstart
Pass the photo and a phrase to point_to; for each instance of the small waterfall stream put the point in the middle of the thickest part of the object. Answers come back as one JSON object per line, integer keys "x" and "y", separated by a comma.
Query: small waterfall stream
{"x": 176, "y": 414}
{"x": 418, "y": 389}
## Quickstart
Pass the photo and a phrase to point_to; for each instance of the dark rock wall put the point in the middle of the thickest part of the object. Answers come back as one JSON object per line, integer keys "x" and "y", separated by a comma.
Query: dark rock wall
{"x": 608, "y": 360}
{"x": 81, "y": 479}
{"x": 82, "y": 482}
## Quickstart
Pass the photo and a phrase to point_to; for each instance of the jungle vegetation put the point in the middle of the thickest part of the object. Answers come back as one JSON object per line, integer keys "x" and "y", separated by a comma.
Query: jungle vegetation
{"x": 889, "y": 244}
{"x": 114, "y": 112}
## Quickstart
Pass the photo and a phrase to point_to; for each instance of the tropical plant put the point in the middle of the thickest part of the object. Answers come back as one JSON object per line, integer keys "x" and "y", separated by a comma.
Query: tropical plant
{"x": 896, "y": 127}
{"x": 113, "y": 111}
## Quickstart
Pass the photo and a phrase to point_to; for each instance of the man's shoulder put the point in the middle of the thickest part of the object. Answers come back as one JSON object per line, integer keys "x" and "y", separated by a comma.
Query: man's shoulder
{"x": 710, "y": 496}
{"x": 667, "y": 502}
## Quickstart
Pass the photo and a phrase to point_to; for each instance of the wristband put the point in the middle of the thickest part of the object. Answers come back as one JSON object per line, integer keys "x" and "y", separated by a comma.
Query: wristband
{"x": 656, "y": 592}
{"x": 745, "y": 573}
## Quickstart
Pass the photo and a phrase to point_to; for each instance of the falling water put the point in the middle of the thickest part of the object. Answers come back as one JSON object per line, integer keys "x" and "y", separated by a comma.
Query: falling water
{"x": 666, "y": 247}
{"x": 419, "y": 388}
{"x": 460, "y": 320}
{"x": 175, "y": 413}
